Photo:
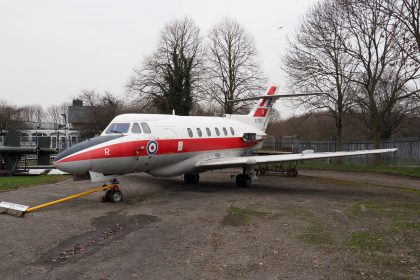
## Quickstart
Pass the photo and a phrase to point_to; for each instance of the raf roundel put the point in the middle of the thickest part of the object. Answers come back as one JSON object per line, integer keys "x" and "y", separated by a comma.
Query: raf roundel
{"x": 152, "y": 147}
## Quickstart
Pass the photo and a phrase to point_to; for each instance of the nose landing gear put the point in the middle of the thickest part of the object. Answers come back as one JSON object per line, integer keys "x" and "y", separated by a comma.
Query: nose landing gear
{"x": 114, "y": 194}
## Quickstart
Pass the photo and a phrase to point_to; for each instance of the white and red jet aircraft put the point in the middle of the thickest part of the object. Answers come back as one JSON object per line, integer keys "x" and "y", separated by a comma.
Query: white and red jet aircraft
{"x": 170, "y": 145}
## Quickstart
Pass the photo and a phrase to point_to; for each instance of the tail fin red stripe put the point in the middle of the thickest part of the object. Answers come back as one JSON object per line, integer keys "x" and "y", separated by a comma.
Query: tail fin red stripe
{"x": 262, "y": 109}
{"x": 272, "y": 90}
{"x": 261, "y": 112}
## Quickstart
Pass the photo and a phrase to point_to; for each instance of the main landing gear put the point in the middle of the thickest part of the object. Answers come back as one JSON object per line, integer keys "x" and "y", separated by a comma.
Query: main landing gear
{"x": 244, "y": 180}
{"x": 114, "y": 194}
{"x": 192, "y": 179}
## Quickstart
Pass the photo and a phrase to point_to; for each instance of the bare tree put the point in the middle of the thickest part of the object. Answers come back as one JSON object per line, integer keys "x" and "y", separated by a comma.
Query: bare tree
{"x": 169, "y": 77}
{"x": 407, "y": 14}
{"x": 10, "y": 117}
{"x": 233, "y": 70}
{"x": 32, "y": 113}
{"x": 55, "y": 112}
{"x": 103, "y": 108}
{"x": 316, "y": 61}
{"x": 375, "y": 45}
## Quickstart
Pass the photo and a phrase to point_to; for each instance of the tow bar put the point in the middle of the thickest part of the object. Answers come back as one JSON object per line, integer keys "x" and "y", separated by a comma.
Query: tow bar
{"x": 20, "y": 210}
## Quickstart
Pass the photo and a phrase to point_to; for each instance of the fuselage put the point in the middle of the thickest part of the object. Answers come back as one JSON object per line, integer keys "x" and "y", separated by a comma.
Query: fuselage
{"x": 161, "y": 145}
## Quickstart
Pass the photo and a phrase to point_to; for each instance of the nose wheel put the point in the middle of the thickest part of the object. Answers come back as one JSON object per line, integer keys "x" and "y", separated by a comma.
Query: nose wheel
{"x": 114, "y": 194}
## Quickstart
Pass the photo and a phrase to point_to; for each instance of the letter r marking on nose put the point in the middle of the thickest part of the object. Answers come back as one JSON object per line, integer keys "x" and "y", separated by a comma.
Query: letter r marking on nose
{"x": 106, "y": 150}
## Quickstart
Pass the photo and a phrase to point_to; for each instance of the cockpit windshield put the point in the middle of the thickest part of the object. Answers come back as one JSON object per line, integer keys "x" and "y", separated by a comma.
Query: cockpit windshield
{"x": 117, "y": 128}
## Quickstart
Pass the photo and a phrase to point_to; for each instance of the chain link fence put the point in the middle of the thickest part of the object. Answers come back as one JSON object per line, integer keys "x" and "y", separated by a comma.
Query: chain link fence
{"x": 408, "y": 149}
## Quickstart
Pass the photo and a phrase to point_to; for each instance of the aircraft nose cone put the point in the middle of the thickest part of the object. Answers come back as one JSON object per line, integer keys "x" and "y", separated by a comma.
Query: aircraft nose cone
{"x": 76, "y": 160}
{"x": 70, "y": 163}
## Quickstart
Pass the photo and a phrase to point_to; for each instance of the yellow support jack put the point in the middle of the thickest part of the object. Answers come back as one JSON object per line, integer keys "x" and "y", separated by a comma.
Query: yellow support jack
{"x": 112, "y": 195}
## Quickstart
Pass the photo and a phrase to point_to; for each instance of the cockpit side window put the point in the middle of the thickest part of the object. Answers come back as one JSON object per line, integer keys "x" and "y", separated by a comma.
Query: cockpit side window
{"x": 135, "y": 128}
{"x": 146, "y": 128}
{"x": 117, "y": 128}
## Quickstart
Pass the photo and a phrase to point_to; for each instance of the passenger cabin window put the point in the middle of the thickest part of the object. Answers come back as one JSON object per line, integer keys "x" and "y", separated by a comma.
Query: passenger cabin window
{"x": 217, "y": 131}
{"x": 225, "y": 131}
{"x": 146, "y": 128}
{"x": 136, "y": 128}
{"x": 208, "y": 131}
{"x": 199, "y": 132}
{"x": 117, "y": 128}
{"x": 232, "y": 131}
{"x": 190, "y": 133}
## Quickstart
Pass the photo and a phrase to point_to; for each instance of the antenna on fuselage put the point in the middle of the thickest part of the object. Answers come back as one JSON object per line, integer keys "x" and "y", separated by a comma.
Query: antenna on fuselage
{"x": 173, "y": 112}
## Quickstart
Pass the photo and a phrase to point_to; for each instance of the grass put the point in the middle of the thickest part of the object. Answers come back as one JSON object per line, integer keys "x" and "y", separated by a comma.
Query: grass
{"x": 404, "y": 225}
{"x": 14, "y": 182}
{"x": 364, "y": 240}
{"x": 316, "y": 235}
{"x": 355, "y": 184}
{"x": 400, "y": 211}
{"x": 242, "y": 216}
{"x": 413, "y": 171}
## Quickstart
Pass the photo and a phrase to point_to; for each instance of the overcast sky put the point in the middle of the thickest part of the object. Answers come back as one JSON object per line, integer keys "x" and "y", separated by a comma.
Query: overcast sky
{"x": 50, "y": 50}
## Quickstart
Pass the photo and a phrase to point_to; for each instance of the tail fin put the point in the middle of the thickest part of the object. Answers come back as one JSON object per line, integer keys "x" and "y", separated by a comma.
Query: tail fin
{"x": 261, "y": 111}
{"x": 260, "y": 114}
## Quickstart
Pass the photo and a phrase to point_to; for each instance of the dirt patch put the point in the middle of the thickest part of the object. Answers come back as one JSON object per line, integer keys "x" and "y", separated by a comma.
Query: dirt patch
{"x": 296, "y": 228}
{"x": 242, "y": 216}
{"x": 108, "y": 229}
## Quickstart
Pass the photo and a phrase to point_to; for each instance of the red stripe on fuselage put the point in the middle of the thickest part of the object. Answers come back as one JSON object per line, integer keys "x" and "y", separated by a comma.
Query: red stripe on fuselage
{"x": 165, "y": 146}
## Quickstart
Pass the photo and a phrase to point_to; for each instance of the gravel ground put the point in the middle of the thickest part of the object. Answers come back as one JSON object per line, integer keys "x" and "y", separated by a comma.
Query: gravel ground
{"x": 321, "y": 225}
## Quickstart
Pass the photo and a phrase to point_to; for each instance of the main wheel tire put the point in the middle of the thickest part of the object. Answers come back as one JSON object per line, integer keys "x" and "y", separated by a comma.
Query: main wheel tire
{"x": 195, "y": 178}
{"x": 192, "y": 178}
{"x": 187, "y": 178}
{"x": 113, "y": 196}
{"x": 243, "y": 181}
{"x": 247, "y": 182}
{"x": 239, "y": 180}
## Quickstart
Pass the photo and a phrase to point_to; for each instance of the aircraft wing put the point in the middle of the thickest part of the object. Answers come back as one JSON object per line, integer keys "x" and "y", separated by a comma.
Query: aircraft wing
{"x": 306, "y": 155}
{"x": 18, "y": 150}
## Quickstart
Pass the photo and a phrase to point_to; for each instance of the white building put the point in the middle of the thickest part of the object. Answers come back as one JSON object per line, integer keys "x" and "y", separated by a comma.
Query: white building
{"x": 60, "y": 136}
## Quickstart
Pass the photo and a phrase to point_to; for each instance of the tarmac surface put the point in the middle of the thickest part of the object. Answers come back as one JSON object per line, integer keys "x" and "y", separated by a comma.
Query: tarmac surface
{"x": 320, "y": 225}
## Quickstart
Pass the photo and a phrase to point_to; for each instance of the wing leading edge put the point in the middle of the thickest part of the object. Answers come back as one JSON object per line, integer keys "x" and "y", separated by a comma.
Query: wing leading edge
{"x": 254, "y": 160}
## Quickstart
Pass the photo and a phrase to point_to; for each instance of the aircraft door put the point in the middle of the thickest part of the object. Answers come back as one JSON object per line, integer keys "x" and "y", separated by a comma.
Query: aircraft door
{"x": 152, "y": 146}
{"x": 166, "y": 141}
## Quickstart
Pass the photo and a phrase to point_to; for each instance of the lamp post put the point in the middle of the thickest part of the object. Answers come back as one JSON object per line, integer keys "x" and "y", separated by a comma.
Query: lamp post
{"x": 65, "y": 130}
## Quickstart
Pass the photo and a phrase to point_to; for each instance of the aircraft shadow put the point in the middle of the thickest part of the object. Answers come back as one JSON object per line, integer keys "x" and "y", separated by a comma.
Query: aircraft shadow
{"x": 285, "y": 187}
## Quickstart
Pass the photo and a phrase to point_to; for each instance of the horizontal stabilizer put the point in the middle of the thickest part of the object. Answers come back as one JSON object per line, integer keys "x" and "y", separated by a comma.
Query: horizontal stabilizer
{"x": 277, "y": 96}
